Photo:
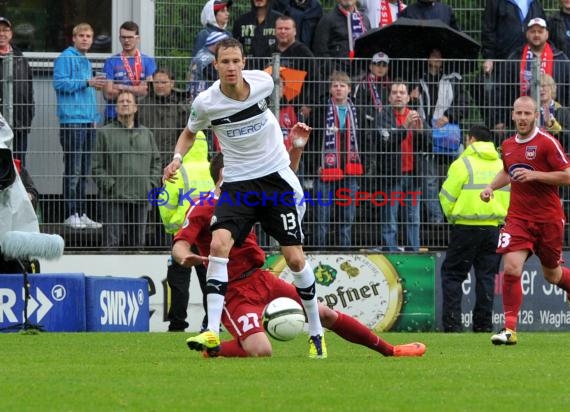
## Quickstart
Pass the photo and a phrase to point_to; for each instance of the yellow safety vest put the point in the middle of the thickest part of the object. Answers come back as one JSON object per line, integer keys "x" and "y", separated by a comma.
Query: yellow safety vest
{"x": 467, "y": 177}
{"x": 194, "y": 174}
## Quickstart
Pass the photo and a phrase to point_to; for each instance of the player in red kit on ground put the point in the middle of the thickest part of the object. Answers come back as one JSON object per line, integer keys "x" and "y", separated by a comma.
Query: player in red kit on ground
{"x": 250, "y": 289}
{"x": 534, "y": 163}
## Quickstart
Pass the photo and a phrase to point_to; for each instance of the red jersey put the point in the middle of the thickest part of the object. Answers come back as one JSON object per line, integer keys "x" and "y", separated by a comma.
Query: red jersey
{"x": 534, "y": 201}
{"x": 407, "y": 146}
{"x": 196, "y": 231}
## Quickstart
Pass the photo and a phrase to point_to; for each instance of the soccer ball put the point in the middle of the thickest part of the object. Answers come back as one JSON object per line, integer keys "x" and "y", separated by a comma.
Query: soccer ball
{"x": 283, "y": 319}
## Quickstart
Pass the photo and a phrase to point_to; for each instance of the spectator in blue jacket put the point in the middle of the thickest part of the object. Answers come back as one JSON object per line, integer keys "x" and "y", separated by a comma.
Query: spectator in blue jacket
{"x": 75, "y": 88}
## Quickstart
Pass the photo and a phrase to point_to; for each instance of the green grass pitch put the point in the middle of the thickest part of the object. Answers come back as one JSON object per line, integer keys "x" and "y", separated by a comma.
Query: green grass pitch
{"x": 156, "y": 372}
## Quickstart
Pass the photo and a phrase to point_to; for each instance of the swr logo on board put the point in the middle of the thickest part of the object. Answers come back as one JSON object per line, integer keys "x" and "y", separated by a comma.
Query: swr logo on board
{"x": 120, "y": 307}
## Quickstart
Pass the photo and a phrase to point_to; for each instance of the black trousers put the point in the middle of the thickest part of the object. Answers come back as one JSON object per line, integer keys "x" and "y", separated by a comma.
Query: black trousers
{"x": 470, "y": 246}
{"x": 178, "y": 278}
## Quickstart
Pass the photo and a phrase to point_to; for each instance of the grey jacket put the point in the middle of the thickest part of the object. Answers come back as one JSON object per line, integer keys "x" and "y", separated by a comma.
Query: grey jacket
{"x": 126, "y": 163}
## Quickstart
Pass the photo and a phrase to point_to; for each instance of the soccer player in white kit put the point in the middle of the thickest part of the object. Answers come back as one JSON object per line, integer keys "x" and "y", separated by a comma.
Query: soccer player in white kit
{"x": 259, "y": 185}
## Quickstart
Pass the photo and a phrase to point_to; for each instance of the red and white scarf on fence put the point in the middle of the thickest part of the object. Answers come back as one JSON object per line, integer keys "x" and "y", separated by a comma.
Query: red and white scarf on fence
{"x": 338, "y": 138}
{"x": 546, "y": 66}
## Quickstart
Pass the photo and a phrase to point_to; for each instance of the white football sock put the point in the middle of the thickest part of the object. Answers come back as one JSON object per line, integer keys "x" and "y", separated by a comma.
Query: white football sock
{"x": 216, "y": 285}
{"x": 305, "y": 280}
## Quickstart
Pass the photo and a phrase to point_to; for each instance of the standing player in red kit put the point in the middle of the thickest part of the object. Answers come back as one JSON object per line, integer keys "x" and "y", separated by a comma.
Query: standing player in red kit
{"x": 535, "y": 164}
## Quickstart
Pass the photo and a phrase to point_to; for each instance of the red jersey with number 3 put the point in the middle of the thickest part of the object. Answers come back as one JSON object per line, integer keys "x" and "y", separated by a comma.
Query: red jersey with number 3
{"x": 541, "y": 152}
{"x": 196, "y": 231}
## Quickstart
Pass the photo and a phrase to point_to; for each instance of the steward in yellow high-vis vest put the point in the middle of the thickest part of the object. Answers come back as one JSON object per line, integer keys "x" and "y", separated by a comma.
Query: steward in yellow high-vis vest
{"x": 194, "y": 174}
{"x": 474, "y": 231}
{"x": 467, "y": 176}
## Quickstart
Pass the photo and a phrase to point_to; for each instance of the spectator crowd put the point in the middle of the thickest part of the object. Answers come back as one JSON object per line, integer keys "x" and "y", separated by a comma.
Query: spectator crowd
{"x": 377, "y": 126}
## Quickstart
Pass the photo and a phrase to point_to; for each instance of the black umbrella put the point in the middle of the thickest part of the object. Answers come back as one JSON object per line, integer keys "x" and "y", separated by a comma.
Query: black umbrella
{"x": 411, "y": 38}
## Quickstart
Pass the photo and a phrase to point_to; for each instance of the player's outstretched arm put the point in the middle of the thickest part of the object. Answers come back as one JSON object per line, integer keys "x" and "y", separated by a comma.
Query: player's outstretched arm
{"x": 184, "y": 143}
{"x": 182, "y": 254}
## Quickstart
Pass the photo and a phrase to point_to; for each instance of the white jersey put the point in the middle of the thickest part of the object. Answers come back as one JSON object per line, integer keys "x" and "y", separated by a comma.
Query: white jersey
{"x": 249, "y": 134}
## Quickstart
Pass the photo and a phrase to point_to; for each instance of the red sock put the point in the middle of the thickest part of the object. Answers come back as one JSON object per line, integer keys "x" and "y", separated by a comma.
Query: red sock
{"x": 232, "y": 349}
{"x": 353, "y": 331}
{"x": 564, "y": 282}
{"x": 512, "y": 300}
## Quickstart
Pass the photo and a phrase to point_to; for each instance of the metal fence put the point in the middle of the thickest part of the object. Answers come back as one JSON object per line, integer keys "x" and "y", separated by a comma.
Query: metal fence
{"x": 478, "y": 99}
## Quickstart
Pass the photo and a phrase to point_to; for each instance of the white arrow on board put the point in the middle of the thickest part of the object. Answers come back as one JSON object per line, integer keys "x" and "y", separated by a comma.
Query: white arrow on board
{"x": 133, "y": 308}
{"x": 43, "y": 306}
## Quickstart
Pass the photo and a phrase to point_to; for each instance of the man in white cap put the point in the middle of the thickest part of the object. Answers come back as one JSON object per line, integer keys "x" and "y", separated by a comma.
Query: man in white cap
{"x": 519, "y": 74}
{"x": 372, "y": 90}
{"x": 502, "y": 31}
{"x": 504, "y": 23}
{"x": 370, "y": 96}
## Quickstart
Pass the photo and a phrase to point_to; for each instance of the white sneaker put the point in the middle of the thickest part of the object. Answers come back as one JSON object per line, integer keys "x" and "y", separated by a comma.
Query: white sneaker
{"x": 504, "y": 337}
{"x": 90, "y": 224}
{"x": 74, "y": 222}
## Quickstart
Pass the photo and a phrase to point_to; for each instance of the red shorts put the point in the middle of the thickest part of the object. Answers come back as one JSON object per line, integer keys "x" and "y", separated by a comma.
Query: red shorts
{"x": 246, "y": 299}
{"x": 544, "y": 239}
